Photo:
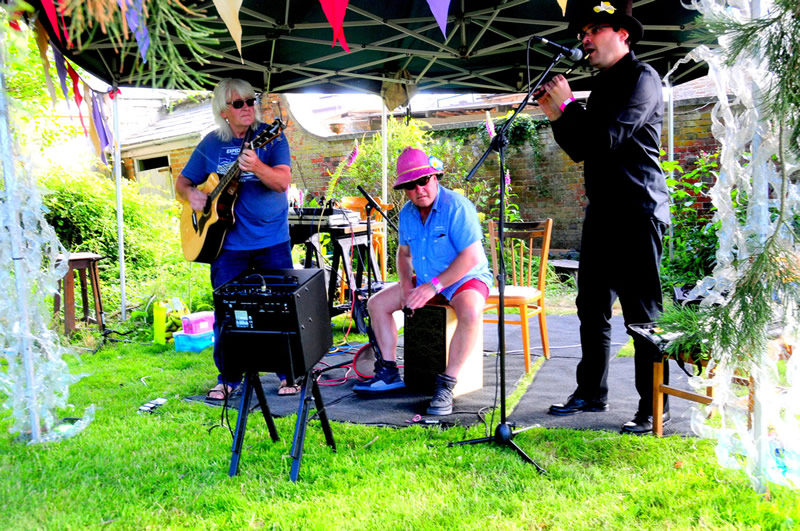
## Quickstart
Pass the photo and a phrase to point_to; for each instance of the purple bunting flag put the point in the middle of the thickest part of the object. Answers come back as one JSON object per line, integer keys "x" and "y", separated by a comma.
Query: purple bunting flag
{"x": 61, "y": 68}
{"x": 439, "y": 8}
{"x": 134, "y": 15}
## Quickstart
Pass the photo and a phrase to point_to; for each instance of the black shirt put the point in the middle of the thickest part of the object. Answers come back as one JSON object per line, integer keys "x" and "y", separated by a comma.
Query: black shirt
{"x": 618, "y": 138}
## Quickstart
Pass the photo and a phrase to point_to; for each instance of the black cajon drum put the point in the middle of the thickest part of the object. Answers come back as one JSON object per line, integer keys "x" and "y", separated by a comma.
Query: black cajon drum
{"x": 426, "y": 350}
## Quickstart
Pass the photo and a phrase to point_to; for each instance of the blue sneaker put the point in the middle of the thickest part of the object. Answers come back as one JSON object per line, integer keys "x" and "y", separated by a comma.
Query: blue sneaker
{"x": 387, "y": 378}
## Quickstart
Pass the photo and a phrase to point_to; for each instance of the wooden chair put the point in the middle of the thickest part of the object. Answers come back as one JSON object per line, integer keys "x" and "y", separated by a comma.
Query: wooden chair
{"x": 359, "y": 204}
{"x": 525, "y": 291}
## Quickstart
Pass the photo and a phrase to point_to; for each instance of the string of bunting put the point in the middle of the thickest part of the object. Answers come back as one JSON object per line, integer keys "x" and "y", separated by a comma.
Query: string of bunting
{"x": 98, "y": 131}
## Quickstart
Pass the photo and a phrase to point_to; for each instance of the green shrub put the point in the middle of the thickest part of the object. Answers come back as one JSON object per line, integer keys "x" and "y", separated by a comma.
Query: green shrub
{"x": 82, "y": 209}
{"x": 691, "y": 243}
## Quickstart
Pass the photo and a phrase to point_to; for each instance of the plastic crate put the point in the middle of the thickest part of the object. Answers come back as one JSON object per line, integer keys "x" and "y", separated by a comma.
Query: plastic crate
{"x": 193, "y": 342}
{"x": 198, "y": 323}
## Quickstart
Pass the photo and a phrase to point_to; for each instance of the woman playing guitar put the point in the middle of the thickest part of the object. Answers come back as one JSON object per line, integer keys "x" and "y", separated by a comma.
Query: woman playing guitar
{"x": 256, "y": 175}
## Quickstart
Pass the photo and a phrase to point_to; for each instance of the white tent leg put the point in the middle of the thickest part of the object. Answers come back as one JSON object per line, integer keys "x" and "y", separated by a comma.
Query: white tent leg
{"x": 120, "y": 232}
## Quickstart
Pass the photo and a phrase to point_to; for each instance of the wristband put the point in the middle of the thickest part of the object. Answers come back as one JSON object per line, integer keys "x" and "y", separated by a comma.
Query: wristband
{"x": 565, "y": 103}
{"x": 437, "y": 286}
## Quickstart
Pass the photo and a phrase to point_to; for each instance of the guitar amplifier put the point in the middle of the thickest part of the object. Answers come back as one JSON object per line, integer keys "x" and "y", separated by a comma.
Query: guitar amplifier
{"x": 274, "y": 321}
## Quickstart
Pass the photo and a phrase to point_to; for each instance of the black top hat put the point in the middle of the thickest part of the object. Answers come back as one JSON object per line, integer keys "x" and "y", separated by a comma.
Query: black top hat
{"x": 614, "y": 12}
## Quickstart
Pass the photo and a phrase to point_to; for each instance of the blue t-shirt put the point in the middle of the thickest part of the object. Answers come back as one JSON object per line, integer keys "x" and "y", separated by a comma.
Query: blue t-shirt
{"x": 261, "y": 214}
{"x": 451, "y": 227}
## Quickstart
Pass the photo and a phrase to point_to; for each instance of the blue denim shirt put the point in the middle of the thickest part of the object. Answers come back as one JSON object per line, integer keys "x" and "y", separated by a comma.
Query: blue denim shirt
{"x": 451, "y": 227}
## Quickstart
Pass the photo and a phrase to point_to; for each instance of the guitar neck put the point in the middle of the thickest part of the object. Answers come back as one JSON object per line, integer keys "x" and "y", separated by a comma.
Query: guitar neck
{"x": 233, "y": 173}
{"x": 263, "y": 138}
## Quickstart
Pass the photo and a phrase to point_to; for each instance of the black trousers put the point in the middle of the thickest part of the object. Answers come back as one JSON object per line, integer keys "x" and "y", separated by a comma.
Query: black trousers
{"x": 620, "y": 258}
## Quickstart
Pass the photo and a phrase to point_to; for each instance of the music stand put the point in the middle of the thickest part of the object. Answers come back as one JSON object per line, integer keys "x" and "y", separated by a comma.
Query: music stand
{"x": 503, "y": 434}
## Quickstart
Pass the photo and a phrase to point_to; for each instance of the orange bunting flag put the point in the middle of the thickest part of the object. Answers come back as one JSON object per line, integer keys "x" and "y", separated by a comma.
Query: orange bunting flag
{"x": 42, "y": 42}
{"x": 334, "y": 11}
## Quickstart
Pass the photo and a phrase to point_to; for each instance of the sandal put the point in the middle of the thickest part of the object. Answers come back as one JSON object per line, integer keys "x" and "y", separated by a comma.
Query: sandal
{"x": 219, "y": 392}
{"x": 287, "y": 390}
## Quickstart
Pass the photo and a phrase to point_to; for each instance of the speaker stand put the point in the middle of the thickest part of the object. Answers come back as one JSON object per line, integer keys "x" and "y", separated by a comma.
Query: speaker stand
{"x": 251, "y": 383}
{"x": 302, "y": 421}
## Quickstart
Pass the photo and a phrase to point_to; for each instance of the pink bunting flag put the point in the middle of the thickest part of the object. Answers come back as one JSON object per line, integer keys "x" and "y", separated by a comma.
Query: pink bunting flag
{"x": 334, "y": 11}
{"x": 50, "y": 11}
{"x": 439, "y": 8}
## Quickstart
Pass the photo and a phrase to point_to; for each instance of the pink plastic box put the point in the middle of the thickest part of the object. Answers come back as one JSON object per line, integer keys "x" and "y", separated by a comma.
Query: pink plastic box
{"x": 198, "y": 323}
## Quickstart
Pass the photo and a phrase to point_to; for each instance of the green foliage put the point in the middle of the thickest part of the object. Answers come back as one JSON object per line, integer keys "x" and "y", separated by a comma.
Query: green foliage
{"x": 692, "y": 239}
{"x": 29, "y": 101}
{"x": 165, "y": 65}
{"x": 690, "y": 325}
{"x": 82, "y": 209}
{"x": 524, "y": 130}
{"x": 772, "y": 38}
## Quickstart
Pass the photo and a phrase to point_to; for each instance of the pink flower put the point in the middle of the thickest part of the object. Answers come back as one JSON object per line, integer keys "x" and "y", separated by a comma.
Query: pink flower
{"x": 353, "y": 155}
{"x": 489, "y": 125}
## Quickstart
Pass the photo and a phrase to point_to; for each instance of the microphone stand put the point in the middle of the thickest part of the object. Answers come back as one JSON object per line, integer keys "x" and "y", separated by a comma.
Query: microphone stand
{"x": 503, "y": 434}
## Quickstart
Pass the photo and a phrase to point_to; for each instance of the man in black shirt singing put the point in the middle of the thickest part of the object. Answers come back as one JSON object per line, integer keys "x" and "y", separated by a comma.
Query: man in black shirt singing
{"x": 617, "y": 136}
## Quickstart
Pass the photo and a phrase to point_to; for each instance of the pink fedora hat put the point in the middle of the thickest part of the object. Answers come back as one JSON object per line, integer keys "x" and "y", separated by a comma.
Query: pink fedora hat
{"x": 413, "y": 164}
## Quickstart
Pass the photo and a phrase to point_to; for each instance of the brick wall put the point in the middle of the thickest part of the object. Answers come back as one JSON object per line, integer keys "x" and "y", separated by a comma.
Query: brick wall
{"x": 552, "y": 187}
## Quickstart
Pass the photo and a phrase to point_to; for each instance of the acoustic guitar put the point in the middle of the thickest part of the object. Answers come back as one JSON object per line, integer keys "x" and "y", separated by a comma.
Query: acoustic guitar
{"x": 203, "y": 231}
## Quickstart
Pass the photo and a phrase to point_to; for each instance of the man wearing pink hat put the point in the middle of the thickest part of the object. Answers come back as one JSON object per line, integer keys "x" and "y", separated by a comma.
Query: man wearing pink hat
{"x": 617, "y": 136}
{"x": 439, "y": 254}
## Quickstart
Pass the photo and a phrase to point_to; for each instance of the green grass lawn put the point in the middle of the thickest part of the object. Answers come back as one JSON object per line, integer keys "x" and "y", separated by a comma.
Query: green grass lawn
{"x": 169, "y": 469}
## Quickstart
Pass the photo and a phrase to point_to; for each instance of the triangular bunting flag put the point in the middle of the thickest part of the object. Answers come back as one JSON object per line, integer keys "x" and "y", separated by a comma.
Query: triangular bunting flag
{"x": 61, "y": 68}
{"x": 134, "y": 16}
{"x": 50, "y": 11}
{"x": 42, "y": 42}
{"x": 92, "y": 128}
{"x": 334, "y": 11}
{"x": 229, "y": 13}
{"x": 73, "y": 75}
{"x": 563, "y": 5}
{"x": 439, "y": 8}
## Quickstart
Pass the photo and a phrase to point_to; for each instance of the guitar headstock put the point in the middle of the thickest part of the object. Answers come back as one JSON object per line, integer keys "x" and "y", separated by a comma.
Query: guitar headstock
{"x": 269, "y": 134}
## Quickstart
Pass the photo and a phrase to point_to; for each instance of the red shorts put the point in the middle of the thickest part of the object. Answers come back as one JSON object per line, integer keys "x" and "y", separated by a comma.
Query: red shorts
{"x": 472, "y": 283}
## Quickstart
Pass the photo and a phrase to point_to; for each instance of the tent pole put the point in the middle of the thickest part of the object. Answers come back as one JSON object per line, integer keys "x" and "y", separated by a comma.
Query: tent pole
{"x": 20, "y": 276}
{"x": 384, "y": 178}
{"x": 118, "y": 181}
{"x": 670, "y": 143}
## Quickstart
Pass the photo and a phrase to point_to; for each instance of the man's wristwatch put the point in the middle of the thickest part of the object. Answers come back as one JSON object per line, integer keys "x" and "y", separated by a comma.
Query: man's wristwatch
{"x": 437, "y": 286}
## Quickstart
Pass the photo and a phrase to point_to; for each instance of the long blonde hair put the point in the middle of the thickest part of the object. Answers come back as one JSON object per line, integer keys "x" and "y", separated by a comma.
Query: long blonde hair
{"x": 219, "y": 102}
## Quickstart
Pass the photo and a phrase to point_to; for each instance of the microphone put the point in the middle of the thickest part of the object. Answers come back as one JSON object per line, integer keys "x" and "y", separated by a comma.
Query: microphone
{"x": 573, "y": 54}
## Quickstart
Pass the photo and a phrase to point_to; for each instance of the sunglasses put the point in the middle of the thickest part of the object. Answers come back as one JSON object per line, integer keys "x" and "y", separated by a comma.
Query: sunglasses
{"x": 594, "y": 30}
{"x": 413, "y": 184}
{"x": 238, "y": 104}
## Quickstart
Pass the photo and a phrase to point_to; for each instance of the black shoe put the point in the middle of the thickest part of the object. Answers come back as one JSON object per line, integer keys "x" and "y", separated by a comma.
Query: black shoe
{"x": 575, "y": 405}
{"x": 641, "y": 424}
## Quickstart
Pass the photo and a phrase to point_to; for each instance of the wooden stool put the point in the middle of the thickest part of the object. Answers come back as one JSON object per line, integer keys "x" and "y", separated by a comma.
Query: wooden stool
{"x": 427, "y": 350}
{"x": 80, "y": 262}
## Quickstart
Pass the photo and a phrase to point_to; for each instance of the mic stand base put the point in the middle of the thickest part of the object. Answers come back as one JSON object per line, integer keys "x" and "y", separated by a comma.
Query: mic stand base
{"x": 504, "y": 435}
